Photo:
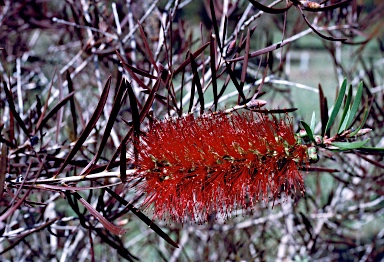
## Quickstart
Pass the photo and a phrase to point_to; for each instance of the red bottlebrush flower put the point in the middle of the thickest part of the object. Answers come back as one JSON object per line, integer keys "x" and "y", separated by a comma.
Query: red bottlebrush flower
{"x": 194, "y": 167}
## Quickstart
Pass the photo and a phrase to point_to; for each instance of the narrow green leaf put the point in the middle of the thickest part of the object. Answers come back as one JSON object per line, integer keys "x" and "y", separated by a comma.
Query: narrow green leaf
{"x": 308, "y": 130}
{"x": 313, "y": 121}
{"x": 343, "y": 124}
{"x": 356, "y": 104}
{"x": 366, "y": 113}
{"x": 336, "y": 107}
{"x": 344, "y": 119}
{"x": 350, "y": 145}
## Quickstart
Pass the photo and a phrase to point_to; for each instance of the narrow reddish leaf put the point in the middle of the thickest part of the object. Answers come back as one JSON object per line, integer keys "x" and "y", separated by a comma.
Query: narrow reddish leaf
{"x": 123, "y": 163}
{"x": 132, "y": 74}
{"x": 72, "y": 104}
{"x": 328, "y": 7}
{"x": 54, "y": 111}
{"x": 187, "y": 61}
{"x": 269, "y": 9}
{"x": 108, "y": 225}
{"x": 212, "y": 50}
{"x": 307, "y": 223}
{"x": 59, "y": 116}
{"x": 198, "y": 84}
{"x": 318, "y": 169}
{"x": 150, "y": 99}
{"x": 38, "y": 125}
{"x": 91, "y": 124}
{"x": 138, "y": 70}
{"x": 143, "y": 114}
{"x": 329, "y": 38}
{"x": 72, "y": 188}
{"x": 135, "y": 120}
{"x": 225, "y": 85}
{"x": 275, "y": 111}
{"x": 235, "y": 82}
{"x": 323, "y": 110}
{"x": 12, "y": 108}
{"x": 181, "y": 92}
{"x": 134, "y": 109}
{"x": 192, "y": 94}
{"x": 214, "y": 23}
{"x": 246, "y": 58}
{"x": 224, "y": 32}
{"x": 3, "y": 167}
{"x": 147, "y": 48}
{"x": 143, "y": 217}
{"x": 108, "y": 128}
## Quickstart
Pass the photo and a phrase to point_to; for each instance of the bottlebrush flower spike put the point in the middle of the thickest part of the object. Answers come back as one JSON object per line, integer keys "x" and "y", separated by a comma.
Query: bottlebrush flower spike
{"x": 195, "y": 167}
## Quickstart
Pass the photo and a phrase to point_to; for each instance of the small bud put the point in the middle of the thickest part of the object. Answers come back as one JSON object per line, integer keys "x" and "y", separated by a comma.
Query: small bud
{"x": 310, "y": 4}
{"x": 298, "y": 139}
{"x": 256, "y": 103}
{"x": 302, "y": 133}
{"x": 231, "y": 48}
{"x": 312, "y": 154}
{"x": 318, "y": 140}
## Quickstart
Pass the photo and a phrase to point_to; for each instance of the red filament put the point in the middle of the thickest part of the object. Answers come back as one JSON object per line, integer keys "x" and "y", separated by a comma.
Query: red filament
{"x": 195, "y": 167}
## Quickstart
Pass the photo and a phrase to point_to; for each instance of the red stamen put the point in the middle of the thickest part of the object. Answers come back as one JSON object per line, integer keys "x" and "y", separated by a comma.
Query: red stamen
{"x": 216, "y": 163}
